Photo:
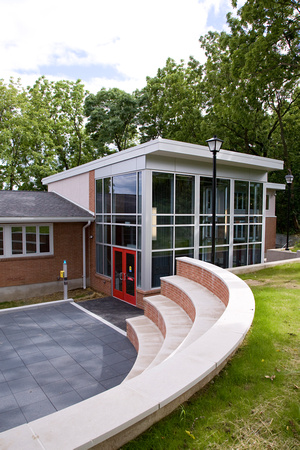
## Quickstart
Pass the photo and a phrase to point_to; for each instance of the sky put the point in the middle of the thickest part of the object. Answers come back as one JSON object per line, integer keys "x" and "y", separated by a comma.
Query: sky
{"x": 105, "y": 43}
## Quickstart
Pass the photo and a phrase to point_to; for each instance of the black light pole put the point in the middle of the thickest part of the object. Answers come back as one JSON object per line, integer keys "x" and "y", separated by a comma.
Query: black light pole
{"x": 289, "y": 179}
{"x": 214, "y": 145}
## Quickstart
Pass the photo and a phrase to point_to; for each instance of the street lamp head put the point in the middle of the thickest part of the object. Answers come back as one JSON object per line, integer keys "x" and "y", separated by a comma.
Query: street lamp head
{"x": 214, "y": 144}
{"x": 289, "y": 178}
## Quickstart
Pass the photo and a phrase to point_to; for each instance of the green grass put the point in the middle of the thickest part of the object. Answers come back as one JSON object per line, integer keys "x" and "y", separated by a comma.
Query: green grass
{"x": 254, "y": 403}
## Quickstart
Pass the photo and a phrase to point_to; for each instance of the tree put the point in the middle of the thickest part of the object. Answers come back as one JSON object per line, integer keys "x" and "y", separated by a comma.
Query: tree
{"x": 170, "y": 104}
{"x": 111, "y": 118}
{"x": 42, "y": 131}
{"x": 14, "y": 134}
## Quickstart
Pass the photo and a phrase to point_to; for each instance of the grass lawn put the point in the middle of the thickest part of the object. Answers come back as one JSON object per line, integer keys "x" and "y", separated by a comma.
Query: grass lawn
{"x": 254, "y": 403}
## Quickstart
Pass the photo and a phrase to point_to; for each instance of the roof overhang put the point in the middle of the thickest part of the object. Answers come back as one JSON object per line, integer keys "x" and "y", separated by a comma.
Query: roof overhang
{"x": 173, "y": 149}
{"x": 276, "y": 186}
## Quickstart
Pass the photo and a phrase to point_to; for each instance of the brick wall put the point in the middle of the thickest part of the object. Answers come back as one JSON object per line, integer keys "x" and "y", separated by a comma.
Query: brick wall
{"x": 67, "y": 239}
{"x": 270, "y": 234}
{"x": 204, "y": 277}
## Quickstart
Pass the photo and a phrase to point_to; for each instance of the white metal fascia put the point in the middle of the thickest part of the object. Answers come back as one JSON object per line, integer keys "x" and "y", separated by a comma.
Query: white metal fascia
{"x": 276, "y": 186}
{"x": 173, "y": 149}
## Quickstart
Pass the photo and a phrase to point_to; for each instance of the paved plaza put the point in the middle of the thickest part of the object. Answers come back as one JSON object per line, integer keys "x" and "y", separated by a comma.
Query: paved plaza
{"x": 54, "y": 356}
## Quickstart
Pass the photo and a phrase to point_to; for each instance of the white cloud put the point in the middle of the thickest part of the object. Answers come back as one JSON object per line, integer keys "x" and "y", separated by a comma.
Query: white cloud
{"x": 133, "y": 36}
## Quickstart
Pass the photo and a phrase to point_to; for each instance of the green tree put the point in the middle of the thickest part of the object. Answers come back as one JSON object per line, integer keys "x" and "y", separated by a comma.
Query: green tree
{"x": 14, "y": 134}
{"x": 170, "y": 104}
{"x": 111, "y": 121}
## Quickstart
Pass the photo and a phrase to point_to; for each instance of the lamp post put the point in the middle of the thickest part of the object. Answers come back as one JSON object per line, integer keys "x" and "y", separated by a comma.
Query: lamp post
{"x": 289, "y": 179}
{"x": 214, "y": 145}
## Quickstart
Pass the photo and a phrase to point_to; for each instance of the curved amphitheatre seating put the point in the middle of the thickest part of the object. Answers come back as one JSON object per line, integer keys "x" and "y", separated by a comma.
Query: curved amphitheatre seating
{"x": 186, "y": 337}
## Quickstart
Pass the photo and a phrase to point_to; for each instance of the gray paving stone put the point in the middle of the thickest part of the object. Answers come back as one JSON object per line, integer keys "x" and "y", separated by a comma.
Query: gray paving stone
{"x": 30, "y": 396}
{"x": 38, "y": 409}
{"x": 8, "y": 403}
{"x": 65, "y": 400}
{"x": 10, "y": 419}
{"x": 22, "y": 384}
{"x": 50, "y": 376}
{"x": 11, "y": 363}
{"x": 16, "y": 373}
{"x": 57, "y": 388}
{"x": 90, "y": 391}
{"x": 4, "y": 389}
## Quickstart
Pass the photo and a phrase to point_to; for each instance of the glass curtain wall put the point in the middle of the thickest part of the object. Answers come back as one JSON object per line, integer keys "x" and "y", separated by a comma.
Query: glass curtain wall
{"x": 248, "y": 221}
{"x": 173, "y": 221}
{"x": 118, "y": 218}
{"x": 222, "y": 234}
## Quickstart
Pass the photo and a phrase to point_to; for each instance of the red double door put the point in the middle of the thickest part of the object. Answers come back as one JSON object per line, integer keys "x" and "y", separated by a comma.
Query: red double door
{"x": 124, "y": 275}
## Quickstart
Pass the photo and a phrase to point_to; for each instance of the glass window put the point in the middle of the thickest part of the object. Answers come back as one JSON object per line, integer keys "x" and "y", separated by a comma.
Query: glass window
{"x": 139, "y": 192}
{"x": 99, "y": 196}
{"x": 181, "y": 220}
{"x": 107, "y": 234}
{"x": 124, "y": 193}
{"x": 107, "y": 260}
{"x": 254, "y": 254}
{"x": 205, "y": 195}
{"x": 184, "y": 237}
{"x": 239, "y": 255}
{"x": 185, "y": 194}
{"x": 255, "y": 233}
{"x": 241, "y": 197}
{"x": 240, "y": 234}
{"x": 25, "y": 240}
{"x": 162, "y": 237}
{"x": 162, "y": 266}
{"x": 223, "y": 196}
{"x": 204, "y": 236}
{"x": 222, "y": 234}
{"x": 99, "y": 231}
{"x": 205, "y": 254}
{"x": 1, "y": 241}
{"x": 44, "y": 239}
{"x": 99, "y": 258}
{"x": 31, "y": 239}
{"x": 256, "y": 197}
{"x": 124, "y": 219}
{"x": 16, "y": 241}
{"x": 162, "y": 193}
{"x": 222, "y": 257}
{"x": 107, "y": 195}
{"x": 124, "y": 236}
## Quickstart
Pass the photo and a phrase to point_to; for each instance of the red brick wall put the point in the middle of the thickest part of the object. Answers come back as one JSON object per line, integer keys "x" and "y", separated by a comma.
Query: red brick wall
{"x": 270, "y": 234}
{"x": 179, "y": 297}
{"x": 204, "y": 277}
{"x": 67, "y": 239}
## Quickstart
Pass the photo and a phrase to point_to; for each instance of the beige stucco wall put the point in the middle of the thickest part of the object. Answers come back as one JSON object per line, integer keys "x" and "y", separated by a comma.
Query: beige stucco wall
{"x": 74, "y": 188}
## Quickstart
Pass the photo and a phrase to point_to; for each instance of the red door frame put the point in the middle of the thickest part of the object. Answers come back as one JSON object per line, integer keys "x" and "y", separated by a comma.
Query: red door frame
{"x": 125, "y": 276}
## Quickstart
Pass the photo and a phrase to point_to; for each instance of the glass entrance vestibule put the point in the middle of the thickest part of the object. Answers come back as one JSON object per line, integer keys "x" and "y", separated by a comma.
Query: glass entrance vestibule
{"x": 158, "y": 216}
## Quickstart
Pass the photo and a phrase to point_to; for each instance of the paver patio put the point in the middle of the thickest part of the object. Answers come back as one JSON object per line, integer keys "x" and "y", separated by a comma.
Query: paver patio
{"x": 54, "y": 356}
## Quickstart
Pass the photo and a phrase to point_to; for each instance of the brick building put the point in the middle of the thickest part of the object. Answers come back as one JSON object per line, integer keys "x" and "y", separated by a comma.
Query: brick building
{"x": 143, "y": 207}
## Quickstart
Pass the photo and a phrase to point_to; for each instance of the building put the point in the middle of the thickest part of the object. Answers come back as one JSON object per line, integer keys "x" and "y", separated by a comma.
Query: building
{"x": 38, "y": 231}
{"x": 153, "y": 203}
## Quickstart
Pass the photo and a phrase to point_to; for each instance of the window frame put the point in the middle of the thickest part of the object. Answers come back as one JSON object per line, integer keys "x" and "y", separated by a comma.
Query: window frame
{"x": 8, "y": 241}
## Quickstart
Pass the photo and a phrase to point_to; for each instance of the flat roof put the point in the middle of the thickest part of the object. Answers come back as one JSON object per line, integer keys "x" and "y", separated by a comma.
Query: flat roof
{"x": 171, "y": 149}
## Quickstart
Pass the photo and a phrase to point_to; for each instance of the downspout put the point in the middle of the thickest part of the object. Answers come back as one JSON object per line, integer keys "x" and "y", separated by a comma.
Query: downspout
{"x": 84, "y": 255}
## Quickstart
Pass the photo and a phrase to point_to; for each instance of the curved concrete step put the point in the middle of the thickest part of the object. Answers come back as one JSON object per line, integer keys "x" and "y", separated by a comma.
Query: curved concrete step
{"x": 204, "y": 308}
{"x": 173, "y": 322}
{"x": 147, "y": 340}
